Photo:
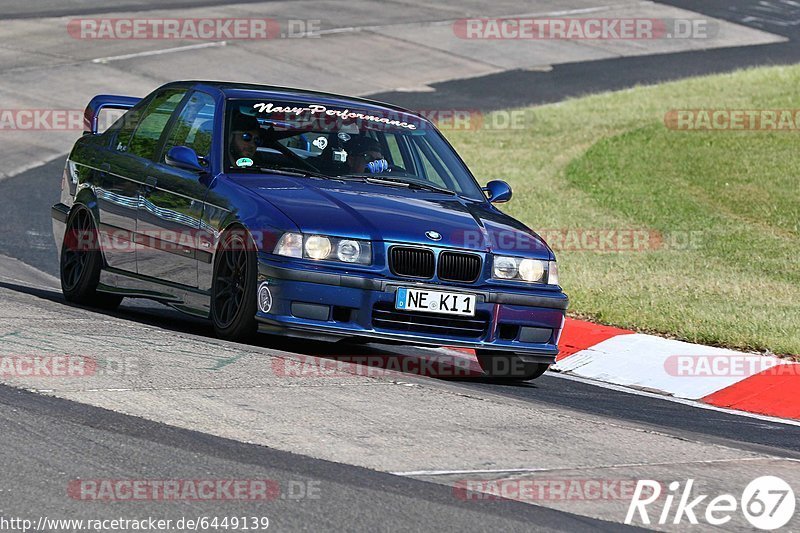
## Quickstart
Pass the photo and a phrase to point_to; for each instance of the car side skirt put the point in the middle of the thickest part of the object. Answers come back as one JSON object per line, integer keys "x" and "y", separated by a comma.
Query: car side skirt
{"x": 185, "y": 299}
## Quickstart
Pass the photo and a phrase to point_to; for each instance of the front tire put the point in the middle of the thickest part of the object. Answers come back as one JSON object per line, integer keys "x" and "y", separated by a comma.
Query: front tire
{"x": 508, "y": 367}
{"x": 233, "y": 291}
{"x": 81, "y": 262}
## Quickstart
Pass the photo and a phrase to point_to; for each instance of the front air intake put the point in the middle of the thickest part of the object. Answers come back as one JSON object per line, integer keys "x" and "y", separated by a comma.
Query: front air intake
{"x": 412, "y": 262}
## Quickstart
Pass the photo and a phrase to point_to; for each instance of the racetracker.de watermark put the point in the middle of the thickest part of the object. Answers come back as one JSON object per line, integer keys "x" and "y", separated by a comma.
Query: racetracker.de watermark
{"x": 67, "y": 366}
{"x": 202, "y": 29}
{"x": 477, "y": 120}
{"x": 526, "y": 28}
{"x": 54, "y": 120}
{"x": 41, "y": 119}
{"x": 727, "y": 365}
{"x": 176, "y": 490}
{"x": 599, "y": 240}
{"x": 439, "y": 366}
{"x": 584, "y": 240}
{"x": 778, "y": 120}
{"x": 545, "y": 489}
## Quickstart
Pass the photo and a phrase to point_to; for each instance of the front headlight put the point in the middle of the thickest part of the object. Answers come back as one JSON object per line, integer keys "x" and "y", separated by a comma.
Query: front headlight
{"x": 324, "y": 248}
{"x": 532, "y": 270}
{"x": 348, "y": 251}
{"x": 505, "y": 267}
{"x": 527, "y": 270}
{"x": 552, "y": 273}
{"x": 318, "y": 247}
{"x": 290, "y": 245}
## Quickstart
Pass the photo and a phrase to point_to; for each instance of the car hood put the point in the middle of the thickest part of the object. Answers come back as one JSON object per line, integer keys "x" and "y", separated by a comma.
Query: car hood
{"x": 395, "y": 214}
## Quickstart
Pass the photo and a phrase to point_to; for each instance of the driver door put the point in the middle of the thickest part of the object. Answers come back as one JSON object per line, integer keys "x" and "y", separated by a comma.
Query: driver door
{"x": 171, "y": 205}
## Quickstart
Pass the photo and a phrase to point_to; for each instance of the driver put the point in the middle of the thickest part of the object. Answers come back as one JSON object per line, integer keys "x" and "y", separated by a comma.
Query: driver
{"x": 366, "y": 155}
{"x": 244, "y": 140}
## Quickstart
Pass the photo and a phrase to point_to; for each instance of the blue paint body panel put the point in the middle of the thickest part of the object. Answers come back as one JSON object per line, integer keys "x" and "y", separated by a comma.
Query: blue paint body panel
{"x": 127, "y": 193}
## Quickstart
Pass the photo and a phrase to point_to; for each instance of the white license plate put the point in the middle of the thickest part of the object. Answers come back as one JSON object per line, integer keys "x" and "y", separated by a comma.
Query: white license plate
{"x": 446, "y": 303}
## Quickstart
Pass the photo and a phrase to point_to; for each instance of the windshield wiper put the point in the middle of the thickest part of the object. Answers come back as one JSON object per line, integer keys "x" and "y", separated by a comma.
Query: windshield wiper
{"x": 411, "y": 184}
{"x": 296, "y": 172}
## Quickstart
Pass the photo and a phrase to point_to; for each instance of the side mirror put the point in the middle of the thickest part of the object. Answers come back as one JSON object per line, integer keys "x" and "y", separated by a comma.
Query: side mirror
{"x": 185, "y": 158}
{"x": 498, "y": 191}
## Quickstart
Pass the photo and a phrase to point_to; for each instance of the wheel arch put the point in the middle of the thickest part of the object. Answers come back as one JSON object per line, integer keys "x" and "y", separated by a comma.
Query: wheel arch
{"x": 86, "y": 200}
{"x": 263, "y": 238}
{"x": 241, "y": 325}
{"x": 233, "y": 225}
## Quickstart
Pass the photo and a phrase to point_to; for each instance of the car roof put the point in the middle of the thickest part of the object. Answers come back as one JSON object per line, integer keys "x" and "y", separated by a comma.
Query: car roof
{"x": 248, "y": 90}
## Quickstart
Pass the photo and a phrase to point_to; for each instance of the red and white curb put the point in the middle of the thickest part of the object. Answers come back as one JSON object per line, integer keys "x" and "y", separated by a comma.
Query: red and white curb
{"x": 651, "y": 365}
{"x": 729, "y": 379}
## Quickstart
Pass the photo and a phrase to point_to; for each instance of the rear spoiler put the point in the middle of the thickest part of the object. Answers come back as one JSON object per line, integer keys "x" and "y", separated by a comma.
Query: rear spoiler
{"x": 103, "y": 101}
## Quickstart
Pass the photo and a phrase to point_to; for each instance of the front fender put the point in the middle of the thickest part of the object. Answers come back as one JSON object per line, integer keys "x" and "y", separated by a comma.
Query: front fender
{"x": 227, "y": 205}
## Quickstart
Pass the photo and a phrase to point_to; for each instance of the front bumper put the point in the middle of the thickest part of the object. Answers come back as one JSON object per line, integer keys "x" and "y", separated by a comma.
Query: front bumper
{"x": 327, "y": 305}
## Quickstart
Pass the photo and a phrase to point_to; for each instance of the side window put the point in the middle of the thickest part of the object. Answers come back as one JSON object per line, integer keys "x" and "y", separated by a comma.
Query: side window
{"x": 305, "y": 145}
{"x": 125, "y": 127}
{"x": 401, "y": 153}
{"x": 145, "y": 140}
{"x": 194, "y": 126}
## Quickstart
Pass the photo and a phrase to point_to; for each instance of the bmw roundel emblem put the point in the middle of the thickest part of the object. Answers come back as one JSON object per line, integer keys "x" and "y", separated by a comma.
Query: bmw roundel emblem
{"x": 433, "y": 235}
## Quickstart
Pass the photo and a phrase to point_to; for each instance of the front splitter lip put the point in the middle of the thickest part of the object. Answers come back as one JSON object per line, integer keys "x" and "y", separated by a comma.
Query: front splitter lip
{"x": 333, "y": 333}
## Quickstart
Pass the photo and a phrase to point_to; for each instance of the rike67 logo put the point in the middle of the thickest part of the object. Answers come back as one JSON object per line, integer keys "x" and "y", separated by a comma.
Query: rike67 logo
{"x": 768, "y": 503}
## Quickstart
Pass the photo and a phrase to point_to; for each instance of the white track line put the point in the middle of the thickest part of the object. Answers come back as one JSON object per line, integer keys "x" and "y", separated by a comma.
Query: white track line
{"x": 447, "y": 22}
{"x": 414, "y": 473}
{"x": 29, "y": 166}
{"x": 160, "y": 52}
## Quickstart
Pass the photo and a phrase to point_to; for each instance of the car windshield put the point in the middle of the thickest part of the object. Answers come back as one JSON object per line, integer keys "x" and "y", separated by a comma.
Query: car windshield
{"x": 382, "y": 147}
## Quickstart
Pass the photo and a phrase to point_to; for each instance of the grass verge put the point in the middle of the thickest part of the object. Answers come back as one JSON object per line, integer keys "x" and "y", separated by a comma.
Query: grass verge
{"x": 719, "y": 210}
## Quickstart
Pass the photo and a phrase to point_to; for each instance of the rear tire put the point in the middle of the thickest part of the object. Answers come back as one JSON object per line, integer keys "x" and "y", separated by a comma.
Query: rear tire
{"x": 233, "y": 291}
{"x": 81, "y": 262}
{"x": 508, "y": 367}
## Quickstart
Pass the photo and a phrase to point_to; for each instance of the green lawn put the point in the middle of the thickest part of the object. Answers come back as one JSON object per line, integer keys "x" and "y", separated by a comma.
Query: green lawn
{"x": 607, "y": 162}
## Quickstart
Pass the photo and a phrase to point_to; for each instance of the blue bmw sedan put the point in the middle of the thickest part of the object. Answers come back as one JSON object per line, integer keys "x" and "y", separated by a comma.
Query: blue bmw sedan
{"x": 304, "y": 214}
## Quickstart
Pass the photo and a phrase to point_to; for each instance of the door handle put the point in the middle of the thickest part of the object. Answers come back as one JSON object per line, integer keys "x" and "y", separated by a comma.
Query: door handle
{"x": 150, "y": 184}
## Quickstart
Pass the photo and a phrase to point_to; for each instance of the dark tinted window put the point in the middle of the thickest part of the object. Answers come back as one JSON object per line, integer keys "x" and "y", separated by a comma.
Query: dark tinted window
{"x": 154, "y": 119}
{"x": 125, "y": 127}
{"x": 194, "y": 126}
{"x": 342, "y": 141}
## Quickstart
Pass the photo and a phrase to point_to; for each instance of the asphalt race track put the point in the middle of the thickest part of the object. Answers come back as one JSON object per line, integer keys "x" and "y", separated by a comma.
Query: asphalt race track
{"x": 28, "y": 238}
{"x": 87, "y": 436}
{"x": 381, "y": 452}
{"x": 521, "y": 87}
